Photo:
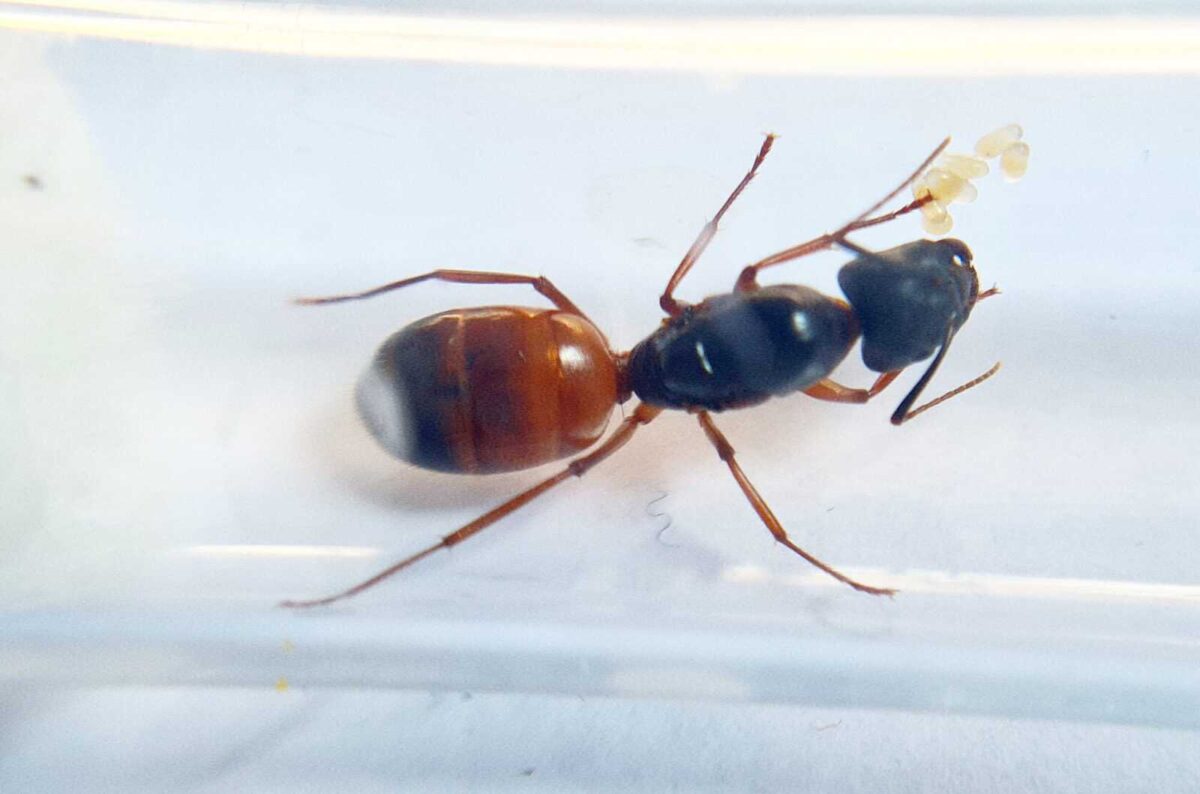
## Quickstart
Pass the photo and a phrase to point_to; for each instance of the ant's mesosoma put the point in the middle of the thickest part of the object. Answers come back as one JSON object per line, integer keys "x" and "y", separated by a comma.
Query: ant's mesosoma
{"x": 503, "y": 388}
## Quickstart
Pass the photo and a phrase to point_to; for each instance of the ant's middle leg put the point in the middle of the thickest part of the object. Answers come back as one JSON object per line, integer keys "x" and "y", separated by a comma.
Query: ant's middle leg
{"x": 540, "y": 283}
{"x": 726, "y": 452}
{"x": 667, "y": 300}
{"x": 748, "y": 279}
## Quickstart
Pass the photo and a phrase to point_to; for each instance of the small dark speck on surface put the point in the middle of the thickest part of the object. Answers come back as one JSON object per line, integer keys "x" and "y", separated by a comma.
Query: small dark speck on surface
{"x": 1112, "y": 316}
{"x": 527, "y": 772}
{"x": 660, "y": 514}
{"x": 33, "y": 181}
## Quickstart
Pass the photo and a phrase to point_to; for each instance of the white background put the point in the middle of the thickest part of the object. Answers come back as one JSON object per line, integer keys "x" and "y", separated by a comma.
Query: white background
{"x": 164, "y": 407}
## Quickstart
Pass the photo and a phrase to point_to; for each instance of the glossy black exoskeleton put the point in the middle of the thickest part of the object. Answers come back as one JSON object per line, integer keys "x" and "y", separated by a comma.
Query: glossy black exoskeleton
{"x": 741, "y": 348}
{"x": 910, "y": 299}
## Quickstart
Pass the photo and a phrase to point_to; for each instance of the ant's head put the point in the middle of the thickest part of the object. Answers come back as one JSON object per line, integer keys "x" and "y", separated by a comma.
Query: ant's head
{"x": 910, "y": 299}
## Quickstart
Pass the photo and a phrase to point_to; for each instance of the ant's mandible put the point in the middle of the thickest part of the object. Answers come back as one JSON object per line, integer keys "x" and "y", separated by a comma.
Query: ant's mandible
{"x": 503, "y": 388}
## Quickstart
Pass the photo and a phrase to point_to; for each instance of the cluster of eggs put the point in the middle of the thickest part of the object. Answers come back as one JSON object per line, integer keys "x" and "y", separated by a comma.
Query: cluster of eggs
{"x": 949, "y": 178}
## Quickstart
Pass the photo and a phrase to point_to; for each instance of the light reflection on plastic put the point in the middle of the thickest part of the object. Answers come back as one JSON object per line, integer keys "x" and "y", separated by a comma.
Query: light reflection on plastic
{"x": 263, "y": 550}
{"x": 912, "y": 582}
{"x": 979, "y": 584}
{"x": 965, "y": 45}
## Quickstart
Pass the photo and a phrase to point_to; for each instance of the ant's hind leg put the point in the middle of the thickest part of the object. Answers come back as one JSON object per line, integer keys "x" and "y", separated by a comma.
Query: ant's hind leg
{"x": 641, "y": 415}
{"x": 540, "y": 283}
{"x": 726, "y": 452}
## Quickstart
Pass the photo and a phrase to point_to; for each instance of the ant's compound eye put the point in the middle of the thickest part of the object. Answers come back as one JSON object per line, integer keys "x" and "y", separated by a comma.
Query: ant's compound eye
{"x": 958, "y": 252}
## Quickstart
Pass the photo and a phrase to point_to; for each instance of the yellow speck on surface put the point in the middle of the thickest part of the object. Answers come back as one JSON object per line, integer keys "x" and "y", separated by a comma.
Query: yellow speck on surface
{"x": 282, "y": 684}
{"x": 964, "y": 165}
{"x": 943, "y": 185}
{"x": 1014, "y": 161}
{"x": 288, "y": 646}
{"x": 967, "y": 193}
{"x": 994, "y": 143}
{"x": 935, "y": 219}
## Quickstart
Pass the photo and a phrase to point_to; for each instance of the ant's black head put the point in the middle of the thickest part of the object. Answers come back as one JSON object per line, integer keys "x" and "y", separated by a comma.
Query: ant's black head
{"x": 960, "y": 259}
{"x": 910, "y": 300}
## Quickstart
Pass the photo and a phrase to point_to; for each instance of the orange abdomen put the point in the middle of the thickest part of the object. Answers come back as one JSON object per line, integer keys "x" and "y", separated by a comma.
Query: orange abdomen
{"x": 491, "y": 389}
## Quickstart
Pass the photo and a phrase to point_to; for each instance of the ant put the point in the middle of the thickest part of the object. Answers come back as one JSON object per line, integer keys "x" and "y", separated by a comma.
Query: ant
{"x": 503, "y": 388}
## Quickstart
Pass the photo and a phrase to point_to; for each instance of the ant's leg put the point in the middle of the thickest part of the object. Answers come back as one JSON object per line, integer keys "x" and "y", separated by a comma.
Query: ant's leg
{"x": 641, "y": 415}
{"x": 667, "y": 301}
{"x": 747, "y": 280}
{"x": 834, "y": 392}
{"x": 902, "y": 413}
{"x": 539, "y": 283}
{"x": 726, "y": 451}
